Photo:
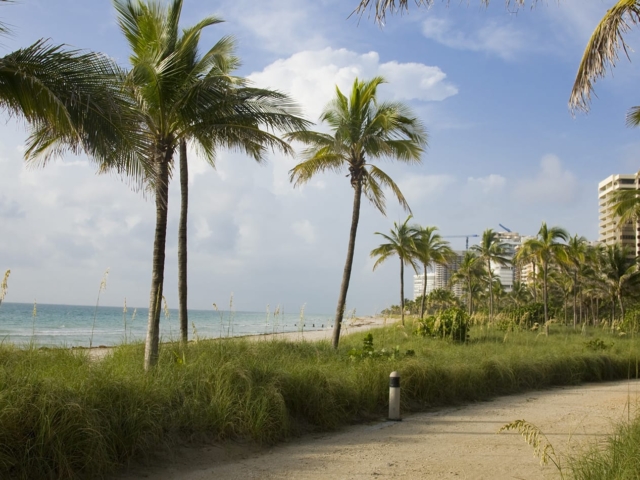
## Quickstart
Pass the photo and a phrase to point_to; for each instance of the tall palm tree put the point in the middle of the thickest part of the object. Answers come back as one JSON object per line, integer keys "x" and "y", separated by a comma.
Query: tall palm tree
{"x": 237, "y": 116}
{"x": 180, "y": 96}
{"x": 362, "y": 130}
{"x": 546, "y": 248}
{"x": 401, "y": 242}
{"x": 430, "y": 248}
{"x": 469, "y": 272}
{"x": 575, "y": 254}
{"x": 491, "y": 250}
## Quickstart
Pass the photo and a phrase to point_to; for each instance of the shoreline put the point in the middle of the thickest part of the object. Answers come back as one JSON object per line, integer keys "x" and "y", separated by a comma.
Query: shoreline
{"x": 358, "y": 324}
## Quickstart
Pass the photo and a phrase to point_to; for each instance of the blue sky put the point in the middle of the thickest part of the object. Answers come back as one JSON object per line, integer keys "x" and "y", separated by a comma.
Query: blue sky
{"x": 491, "y": 86}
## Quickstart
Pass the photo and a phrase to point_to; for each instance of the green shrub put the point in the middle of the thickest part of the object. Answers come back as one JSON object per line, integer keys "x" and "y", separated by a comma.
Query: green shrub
{"x": 452, "y": 323}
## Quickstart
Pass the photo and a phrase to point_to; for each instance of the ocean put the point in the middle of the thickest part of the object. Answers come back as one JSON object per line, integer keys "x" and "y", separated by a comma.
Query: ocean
{"x": 72, "y": 325}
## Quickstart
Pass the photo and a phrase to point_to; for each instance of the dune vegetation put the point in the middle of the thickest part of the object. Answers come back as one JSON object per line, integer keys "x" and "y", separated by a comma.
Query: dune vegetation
{"x": 64, "y": 415}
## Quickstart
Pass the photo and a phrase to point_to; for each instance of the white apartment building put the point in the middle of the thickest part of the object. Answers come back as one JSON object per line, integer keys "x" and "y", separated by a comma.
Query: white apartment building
{"x": 439, "y": 277}
{"x": 609, "y": 232}
{"x": 508, "y": 274}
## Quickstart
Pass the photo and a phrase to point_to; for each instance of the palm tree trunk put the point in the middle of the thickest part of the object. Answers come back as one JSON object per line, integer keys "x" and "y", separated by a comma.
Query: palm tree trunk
{"x": 544, "y": 297}
{"x": 346, "y": 275}
{"x": 424, "y": 292}
{"x": 182, "y": 244}
{"x": 157, "y": 272}
{"x": 621, "y": 307}
{"x": 490, "y": 290}
{"x": 535, "y": 285}
{"x": 470, "y": 298}
{"x": 402, "y": 291}
{"x": 575, "y": 300}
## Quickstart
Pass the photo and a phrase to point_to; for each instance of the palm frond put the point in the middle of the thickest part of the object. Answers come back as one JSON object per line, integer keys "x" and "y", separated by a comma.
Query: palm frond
{"x": 324, "y": 160}
{"x": 602, "y": 50}
{"x": 385, "y": 180}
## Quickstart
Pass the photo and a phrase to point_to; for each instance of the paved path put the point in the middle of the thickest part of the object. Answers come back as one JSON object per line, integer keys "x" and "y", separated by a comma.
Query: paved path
{"x": 450, "y": 443}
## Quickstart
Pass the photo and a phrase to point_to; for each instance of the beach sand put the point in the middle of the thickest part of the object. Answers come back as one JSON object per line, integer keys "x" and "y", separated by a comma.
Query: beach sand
{"x": 358, "y": 324}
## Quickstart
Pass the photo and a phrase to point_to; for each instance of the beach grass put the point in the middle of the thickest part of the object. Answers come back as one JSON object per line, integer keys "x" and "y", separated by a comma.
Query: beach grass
{"x": 63, "y": 415}
{"x": 617, "y": 459}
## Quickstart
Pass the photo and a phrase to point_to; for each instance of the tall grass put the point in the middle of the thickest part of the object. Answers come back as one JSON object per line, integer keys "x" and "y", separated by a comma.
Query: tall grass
{"x": 63, "y": 415}
{"x": 619, "y": 459}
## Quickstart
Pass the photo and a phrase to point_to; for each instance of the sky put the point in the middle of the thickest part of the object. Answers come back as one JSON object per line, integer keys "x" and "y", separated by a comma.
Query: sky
{"x": 490, "y": 84}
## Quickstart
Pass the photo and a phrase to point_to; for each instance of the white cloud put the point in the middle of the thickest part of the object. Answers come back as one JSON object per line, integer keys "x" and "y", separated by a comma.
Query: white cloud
{"x": 552, "y": 184}
{"x": 418, "y": 187}
{"x": 305, "y": 231}
{"x": 311, "y": 76}
{"x": 494, "y": 38}
{"x": 490, "y": 184}
{"x": 282, "y": 26}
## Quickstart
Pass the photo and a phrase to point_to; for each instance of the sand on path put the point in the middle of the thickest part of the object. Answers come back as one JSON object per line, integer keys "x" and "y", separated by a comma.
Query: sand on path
{"x": 457, "y": 442}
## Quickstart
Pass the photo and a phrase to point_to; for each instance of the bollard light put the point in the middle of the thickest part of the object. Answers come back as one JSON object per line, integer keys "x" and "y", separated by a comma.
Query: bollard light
{"x": 394, "y": 396}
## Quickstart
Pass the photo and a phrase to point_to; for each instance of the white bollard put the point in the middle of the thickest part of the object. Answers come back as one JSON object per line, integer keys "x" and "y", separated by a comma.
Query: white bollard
{"x": 394, "y": 396}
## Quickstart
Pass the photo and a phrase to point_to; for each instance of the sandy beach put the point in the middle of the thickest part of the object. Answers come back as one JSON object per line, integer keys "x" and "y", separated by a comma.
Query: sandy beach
{"x": 355, "y": 325}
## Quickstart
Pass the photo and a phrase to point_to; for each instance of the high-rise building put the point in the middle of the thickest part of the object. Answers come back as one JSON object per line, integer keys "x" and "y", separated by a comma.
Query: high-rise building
{"x": 610, "y": 232}
{"x": 439, "y": 277}
{"x": 508, "y": 273}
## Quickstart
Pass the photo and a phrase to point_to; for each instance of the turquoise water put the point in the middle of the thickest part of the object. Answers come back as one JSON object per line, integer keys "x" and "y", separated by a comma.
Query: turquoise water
{"x": 71, "y": 325}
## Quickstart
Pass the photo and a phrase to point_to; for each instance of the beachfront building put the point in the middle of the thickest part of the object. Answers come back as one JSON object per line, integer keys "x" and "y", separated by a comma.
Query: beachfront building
{"x": 609, "y": 231}
{"x": 439, "y": 277}
{"x": 509, "y": 273}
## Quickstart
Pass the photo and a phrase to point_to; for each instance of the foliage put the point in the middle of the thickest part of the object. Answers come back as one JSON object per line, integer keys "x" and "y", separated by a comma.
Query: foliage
{"x": 597, "y": 345}
{"x": 617, "y": 459}
{"x": 526, "y": 316}
{"x": 369, "y": 351}
{"x": 452, "y": 323}
{"x": 107, "y": 413}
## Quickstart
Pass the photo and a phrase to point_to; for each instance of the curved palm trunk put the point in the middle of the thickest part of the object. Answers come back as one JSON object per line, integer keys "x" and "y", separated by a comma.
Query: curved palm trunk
{"x": 157, "y": 272}
{"x": 182, "y": 244}
{"x": 424, "y": 291}
{"x": 346, "y": 275}
{"x": 402, "y": 291}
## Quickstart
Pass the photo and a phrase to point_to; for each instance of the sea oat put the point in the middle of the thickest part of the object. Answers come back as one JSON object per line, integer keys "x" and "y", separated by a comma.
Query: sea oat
{"x": 4, "y": 286}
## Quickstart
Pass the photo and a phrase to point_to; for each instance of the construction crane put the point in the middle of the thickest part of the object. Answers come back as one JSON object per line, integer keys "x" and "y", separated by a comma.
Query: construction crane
{"x": 461, "y": 236}
{"x": 504, "y": 228}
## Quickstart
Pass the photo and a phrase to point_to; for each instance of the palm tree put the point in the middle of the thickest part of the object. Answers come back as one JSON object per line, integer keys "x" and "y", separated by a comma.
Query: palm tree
{"x": 440, "y": 299}
{"x": 234, "y": 117}
{"x": 430, "y": 248}
{"x": 601, "y": 53}
{"x": 491, "y": 250}
{"x": 180, "y": 96}
{"x": 546, "y": 249}
{"x": 470, "y": 271}
{"x": 72, "y": 100}
{"x": 524, "y": 257}
{"x": 519, "y": 294}
{"x": 575, "y": 254}
{"x": 400, "y": 242}
{"x": 619, "y": 271}
{"x": 362, "y": 130}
